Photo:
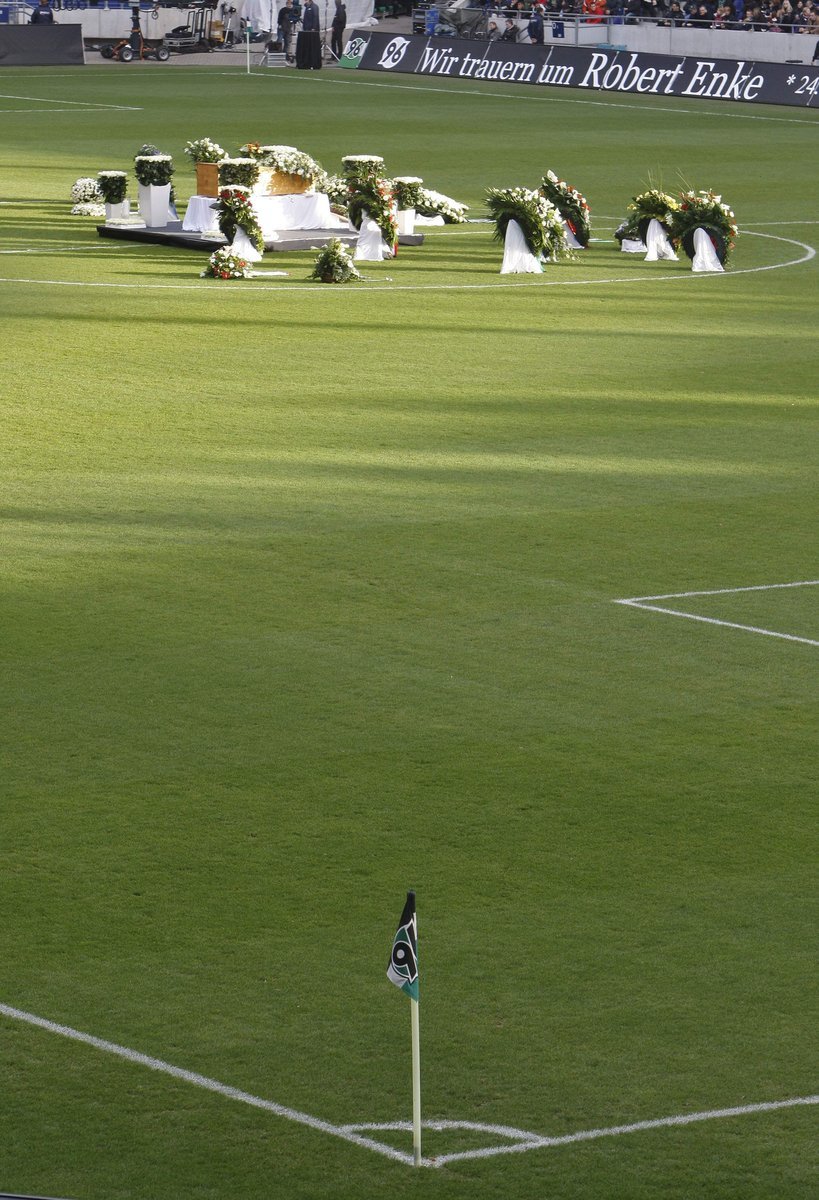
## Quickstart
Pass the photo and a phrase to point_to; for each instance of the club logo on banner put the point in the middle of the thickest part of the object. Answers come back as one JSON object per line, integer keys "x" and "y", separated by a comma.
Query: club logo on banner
{"x": 354, "y": 51}
{"x": 393, "y": 53}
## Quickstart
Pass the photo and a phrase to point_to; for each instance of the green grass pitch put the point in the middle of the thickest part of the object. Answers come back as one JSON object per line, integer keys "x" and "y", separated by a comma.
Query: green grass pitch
{"x": 308, "y": 597}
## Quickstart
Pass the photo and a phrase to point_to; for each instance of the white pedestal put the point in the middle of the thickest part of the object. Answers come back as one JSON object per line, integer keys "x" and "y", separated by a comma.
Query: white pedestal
{"x": 154, "y": 202}
{"x": 114, "y": 211}
{"x": 405, "y": 220}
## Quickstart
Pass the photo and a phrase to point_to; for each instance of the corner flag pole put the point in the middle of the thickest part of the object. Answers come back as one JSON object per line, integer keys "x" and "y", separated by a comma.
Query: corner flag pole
{"x": 403, "y": 972}
{"x": 416, "y": 1084}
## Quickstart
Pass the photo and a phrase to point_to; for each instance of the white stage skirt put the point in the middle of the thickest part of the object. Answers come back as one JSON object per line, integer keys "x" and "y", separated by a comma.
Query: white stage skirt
{"x": 308, "y": 211}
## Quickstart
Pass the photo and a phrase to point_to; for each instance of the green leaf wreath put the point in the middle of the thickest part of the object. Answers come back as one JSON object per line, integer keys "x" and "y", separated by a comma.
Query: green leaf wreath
{"x": 234, "y": 210}
{"x": 707, "y": 210}
{"x": 153, "y": 169}
{"x": 570, "y": 203}
{"x": 650, "y": 205}
{"x": 334, "y": 264}
{"x": 238, "y": 172}
{"x": 407, "y": 190}
{"x": 539, "y": 220}
{"x": 113, "y": 186}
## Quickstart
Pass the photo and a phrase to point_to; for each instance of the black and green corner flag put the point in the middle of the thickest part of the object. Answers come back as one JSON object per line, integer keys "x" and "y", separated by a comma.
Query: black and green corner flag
{"x": 403, "y": 966}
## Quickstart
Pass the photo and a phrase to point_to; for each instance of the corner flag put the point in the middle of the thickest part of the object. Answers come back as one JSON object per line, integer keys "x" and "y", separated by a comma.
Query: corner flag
{"x": 403, "y": 965}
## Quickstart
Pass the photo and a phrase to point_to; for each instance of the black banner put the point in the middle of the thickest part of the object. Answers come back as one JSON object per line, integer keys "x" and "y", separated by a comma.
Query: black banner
{"x": 41, "y": 45}
{"x": 587, "y": 67}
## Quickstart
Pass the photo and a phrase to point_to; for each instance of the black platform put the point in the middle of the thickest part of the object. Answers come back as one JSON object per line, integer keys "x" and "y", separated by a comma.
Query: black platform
{"x": 173, "y": 234}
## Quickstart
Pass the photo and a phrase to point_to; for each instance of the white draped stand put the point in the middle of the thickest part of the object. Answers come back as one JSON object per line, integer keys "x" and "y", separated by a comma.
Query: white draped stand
{"x": 518, "y": 259}
{"x": 405, "y": 220}
{"x": 633, "y": 246}
{"x": 571, "y": 240}
{"x": 371, "y": 246}
{"x": 657, "y": 243}
{"x": 243, "y": 246}
{"x": 705, "y": 256}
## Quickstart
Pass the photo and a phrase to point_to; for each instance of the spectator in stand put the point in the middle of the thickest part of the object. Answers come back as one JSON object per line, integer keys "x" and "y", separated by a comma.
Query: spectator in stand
{"x": 492, "y": 32}
{"x": 654, "y": 10}
{"x": 722, "y": 17}
{"x": 535, "y": 27}
{"x": 510, "y": 32}
{"x": 594, "y": 11}
{"x": 42, "y": 15}
{"x": 633, "y": 11}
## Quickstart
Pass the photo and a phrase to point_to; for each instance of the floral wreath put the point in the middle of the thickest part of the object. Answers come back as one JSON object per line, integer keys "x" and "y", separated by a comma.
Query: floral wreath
{"x": 234, "y": 210}
{"x": 539, "y": 219}
{"x": 706, "y": 210}
{"x": 286, "y": 159}
{"x": 570, "y": 203}
{"x": 650, "y": 205}
{"x": 375, "y": 197}
{"x": 436, "y": 204}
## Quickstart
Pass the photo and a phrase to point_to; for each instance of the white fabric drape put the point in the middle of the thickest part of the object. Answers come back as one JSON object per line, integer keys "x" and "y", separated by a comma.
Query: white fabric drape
{"x": 571, "y": 240}
{"x": 518, "y": 259}
{"x": 243, "y": 246}
{"x": 633, "y": 246}
{"x": 657, "y": 243}
{"x": 705, "y": 256}
{"x": 371, "y": 246}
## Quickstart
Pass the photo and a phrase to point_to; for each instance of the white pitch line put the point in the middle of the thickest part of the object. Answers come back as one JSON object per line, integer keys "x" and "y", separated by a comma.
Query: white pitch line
{"x": 551, "y": 98}
{"x": 588, "y": 1135}
{"x": 202, "y": 1081}
{"x": 385, "y": 286}
{"x": 79, "y": 103}
{"x": 353, "y": 1133}
{"x": 640, "y": 602}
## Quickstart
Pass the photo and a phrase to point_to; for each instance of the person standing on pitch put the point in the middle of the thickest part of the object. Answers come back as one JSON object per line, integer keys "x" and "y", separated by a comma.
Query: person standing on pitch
{"x": 338, "y": 25}
{"x": 310, "y": 17}
{"x": 286, "y": 21}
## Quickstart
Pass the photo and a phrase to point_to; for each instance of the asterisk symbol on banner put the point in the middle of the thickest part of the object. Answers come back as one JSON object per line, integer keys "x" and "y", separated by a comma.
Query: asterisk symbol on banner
{"x": 791, "y": 79}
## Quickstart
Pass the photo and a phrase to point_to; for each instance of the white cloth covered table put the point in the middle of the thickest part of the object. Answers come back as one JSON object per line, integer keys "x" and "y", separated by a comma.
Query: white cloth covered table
{"x": 308, "y": 211}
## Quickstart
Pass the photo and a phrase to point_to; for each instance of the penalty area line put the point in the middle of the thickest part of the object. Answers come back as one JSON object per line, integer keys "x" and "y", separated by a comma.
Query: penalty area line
{"x": 642, "y": 602}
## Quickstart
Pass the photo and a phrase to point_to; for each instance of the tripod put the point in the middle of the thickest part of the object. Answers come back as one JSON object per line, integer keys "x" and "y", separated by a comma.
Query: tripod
{"x": 327, "y": 51}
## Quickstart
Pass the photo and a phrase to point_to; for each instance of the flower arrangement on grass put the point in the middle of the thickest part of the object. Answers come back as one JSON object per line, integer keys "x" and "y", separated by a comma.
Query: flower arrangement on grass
{"x": 234, "y": 210}
{"x": 86, "y": 198}
{"x": 539, "y": 220}
{"x": 707, "y": 210}
{"x": 334, "y": 264}
{"x": 407, "y": 190}
{"x": 113, "y": 186}
{"x": 375, "y": 197}
{"x": 570, "y": 203}
{"x": 650, "y": 205}
{"x": 286, "y": 159}
{"x": 436, "y": 204}
{"x": 153, "y": 170}
{"x": 238, "y": 172}
{"x": 85, "y": 190}
{"x": 203, "y": 150}
{"x": 224, "y": 264}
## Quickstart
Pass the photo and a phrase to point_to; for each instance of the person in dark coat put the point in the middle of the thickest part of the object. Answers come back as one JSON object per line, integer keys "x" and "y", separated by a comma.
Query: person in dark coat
{"x": 286, "y": 22}
{"x": 535, "y": 26}
{"x": 337, "y": 26}
{"x": 42, "y": 15}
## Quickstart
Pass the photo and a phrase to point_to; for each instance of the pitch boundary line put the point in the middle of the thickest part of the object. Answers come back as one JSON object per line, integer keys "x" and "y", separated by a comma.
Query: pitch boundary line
{"x": 356, "y": 1133}
{"x": 640, "y": 602}
{"x": 91, "y": 105}
{"x": 386, "y": 285}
